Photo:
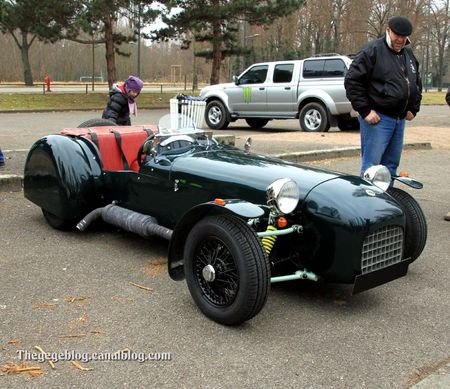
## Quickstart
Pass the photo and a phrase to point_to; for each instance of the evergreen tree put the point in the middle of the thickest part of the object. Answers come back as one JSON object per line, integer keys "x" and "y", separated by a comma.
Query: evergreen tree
{"x": 99, "y": 19}
{"x": 219, "y": 22}
{"x": 28, "y": 20}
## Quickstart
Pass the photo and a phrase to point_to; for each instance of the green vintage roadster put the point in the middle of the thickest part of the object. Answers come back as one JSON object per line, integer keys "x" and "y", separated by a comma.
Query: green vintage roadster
{"x": 236, "y": 221}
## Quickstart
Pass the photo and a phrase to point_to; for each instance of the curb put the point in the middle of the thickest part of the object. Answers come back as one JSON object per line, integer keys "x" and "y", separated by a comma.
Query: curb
{"x": 14, "y": 182}
{"x": 306, "y": 156}
{"x": 11, "y": 183}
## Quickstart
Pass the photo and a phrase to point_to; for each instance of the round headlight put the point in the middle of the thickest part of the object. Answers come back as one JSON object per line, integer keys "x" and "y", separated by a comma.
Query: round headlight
{"x": 283, "y": 194}
{"x": 378, "y": 175}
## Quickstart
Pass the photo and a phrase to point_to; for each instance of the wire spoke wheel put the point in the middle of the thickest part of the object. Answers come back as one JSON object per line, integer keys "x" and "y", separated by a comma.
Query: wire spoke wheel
{"x": 226, "y": 269}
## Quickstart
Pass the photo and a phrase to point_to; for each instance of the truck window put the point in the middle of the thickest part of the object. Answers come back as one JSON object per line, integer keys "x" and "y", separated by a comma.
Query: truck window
{"x": 334, "y": 68}
{"x": 313, "y": 68}
{"x": 255, "y": 75}
{"x": 283, "y": 72}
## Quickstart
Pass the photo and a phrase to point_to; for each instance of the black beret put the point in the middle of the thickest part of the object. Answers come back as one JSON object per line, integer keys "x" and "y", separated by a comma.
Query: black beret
{"x": 400, "y": 25}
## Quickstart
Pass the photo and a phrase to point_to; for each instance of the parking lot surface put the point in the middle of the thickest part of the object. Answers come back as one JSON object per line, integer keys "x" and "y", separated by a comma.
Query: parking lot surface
{"x": 107, "y": 291}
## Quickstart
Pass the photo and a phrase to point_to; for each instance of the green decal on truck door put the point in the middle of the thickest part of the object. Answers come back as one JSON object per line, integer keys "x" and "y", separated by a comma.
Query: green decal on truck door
{"x": 247, "y": 95}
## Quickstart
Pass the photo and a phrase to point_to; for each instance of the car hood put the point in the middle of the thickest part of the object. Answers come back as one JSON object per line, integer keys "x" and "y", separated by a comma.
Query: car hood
{"x": 246, "y": 170}
{"x": 215, "y": 87}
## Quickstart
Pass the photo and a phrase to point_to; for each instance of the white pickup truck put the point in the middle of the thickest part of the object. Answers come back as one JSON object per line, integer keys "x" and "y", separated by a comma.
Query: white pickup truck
{"x": 311, "y": 90}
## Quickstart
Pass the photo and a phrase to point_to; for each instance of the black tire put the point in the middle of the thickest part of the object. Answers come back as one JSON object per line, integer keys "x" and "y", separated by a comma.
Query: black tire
{"x": 256, "y": 123}
{"x": 348, "y": 123}
{"x": 216, "y": 115}
{"x": 58, "y": 223}
{"x": 241, "y": 272}
{"x": 313, "y": 118}
{"x": 416, "y": 230}
{"x": 97, "y": 123}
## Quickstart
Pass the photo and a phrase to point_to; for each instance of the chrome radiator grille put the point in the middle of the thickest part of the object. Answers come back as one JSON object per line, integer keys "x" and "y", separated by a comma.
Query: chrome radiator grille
{"x": 382, "y": 248}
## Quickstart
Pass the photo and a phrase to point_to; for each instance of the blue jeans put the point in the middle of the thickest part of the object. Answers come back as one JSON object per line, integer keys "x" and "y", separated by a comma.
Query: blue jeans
{"x": 382, "y": 143}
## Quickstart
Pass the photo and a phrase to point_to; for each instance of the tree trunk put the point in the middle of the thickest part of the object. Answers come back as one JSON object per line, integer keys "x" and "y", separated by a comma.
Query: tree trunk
{"x": 217, "y": 54}
{"x": 109, "y": 54}
{"x": 24, "y": 50}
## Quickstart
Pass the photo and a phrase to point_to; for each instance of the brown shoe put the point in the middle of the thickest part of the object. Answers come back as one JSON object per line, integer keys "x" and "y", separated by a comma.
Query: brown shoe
{"x": 447, "y": 217}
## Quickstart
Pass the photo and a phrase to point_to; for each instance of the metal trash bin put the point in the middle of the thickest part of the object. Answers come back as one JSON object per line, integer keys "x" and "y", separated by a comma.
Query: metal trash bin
{"x": 192, "y": 107}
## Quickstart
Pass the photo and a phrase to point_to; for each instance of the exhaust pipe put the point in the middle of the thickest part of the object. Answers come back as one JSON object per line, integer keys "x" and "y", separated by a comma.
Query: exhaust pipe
{"x": 128, "y": 220}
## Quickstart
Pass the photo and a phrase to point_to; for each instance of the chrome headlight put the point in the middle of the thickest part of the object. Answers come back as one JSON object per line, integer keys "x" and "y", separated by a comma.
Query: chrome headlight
{"x": 283, "y": 194}
{"x": 378, "y": 175}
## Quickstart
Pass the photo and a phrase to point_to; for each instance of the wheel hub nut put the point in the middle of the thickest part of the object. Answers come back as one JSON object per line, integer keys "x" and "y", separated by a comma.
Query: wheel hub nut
{"x": 209, "y": 273}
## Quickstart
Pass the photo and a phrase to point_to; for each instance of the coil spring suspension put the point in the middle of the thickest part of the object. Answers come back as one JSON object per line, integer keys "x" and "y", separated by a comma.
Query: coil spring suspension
{"x": 269, "y": 241}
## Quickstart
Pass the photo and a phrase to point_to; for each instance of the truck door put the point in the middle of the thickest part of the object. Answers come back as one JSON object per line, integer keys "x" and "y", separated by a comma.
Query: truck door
{"x": 282, "y": 91}
{"x": 249, "y": 96}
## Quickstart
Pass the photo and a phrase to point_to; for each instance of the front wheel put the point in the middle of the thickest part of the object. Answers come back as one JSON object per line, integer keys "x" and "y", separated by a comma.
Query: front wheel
{"x": 416, "y": 230}
{"x": 314, "y": 118}
{"x": 227, "y": 270}
{"x": 256, "y": 123}
{"x": 216, "y": 115}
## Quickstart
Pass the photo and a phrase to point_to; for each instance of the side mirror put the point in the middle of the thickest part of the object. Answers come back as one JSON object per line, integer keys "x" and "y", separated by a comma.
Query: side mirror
{"x": 236, "y": 80}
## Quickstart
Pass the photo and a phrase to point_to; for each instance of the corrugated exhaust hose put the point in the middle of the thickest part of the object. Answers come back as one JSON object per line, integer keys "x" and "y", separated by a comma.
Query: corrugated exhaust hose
{"x": 128, "y": 220}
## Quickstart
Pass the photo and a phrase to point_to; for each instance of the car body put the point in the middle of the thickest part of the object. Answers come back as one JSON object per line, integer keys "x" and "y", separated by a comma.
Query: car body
{"x": 236, "y": 221}
{"x": 311, "y": 90}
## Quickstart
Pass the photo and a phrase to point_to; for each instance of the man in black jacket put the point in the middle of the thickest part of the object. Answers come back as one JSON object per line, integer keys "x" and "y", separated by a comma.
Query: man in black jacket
{"x": 383, "y": 84}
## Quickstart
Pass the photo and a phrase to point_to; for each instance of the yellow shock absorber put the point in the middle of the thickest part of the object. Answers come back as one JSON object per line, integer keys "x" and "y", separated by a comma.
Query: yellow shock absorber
{"x": 269, "y": 241}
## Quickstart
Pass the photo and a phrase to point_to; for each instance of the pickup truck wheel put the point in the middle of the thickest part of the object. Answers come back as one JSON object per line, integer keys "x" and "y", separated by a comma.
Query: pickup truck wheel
{"x": 58, "y": 223}
{"x": 313, "y": 118}
{"x": 216, "y": 115}
{"x": 256, "y": 123}
{"x": 416, "y": 230}
{"x": 227, "y": 270}
{"x": 97, "y": 123}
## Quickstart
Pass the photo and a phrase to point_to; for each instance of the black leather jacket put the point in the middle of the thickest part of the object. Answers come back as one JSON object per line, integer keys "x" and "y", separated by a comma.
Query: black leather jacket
{"x": 384, "y": 80}
{"x": 117, "y": 108}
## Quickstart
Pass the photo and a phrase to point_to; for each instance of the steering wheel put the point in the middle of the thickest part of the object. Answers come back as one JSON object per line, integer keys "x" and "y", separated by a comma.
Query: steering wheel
{"x": 140, "y": 153}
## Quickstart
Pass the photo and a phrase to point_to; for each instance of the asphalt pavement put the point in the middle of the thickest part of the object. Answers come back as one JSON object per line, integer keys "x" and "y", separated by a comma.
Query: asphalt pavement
{"x": 106, "y": 290}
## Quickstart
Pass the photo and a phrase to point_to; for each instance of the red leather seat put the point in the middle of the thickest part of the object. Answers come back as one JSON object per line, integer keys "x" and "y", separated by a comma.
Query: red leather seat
{"x": 116, "y": 144}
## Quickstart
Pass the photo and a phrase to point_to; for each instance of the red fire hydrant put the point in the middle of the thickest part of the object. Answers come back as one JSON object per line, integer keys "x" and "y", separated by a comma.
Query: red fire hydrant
{"x": 47, "y": 82}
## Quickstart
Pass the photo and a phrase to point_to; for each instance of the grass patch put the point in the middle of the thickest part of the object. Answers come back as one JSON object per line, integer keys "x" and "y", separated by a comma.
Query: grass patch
{"x": 56, "y": 101}
{"x": 97, "y": 100}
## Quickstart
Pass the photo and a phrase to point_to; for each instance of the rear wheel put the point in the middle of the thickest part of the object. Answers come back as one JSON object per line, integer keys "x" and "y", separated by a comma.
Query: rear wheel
{"x": 57, "y": 222}
{"x": 216, "y": 115}
{"x": 416, "y": 225}
{"x": 314, "y": 118}
{"x": 97, "y": 123}
{"x": 256, "y": 123}
{"x": 227, "y": 270}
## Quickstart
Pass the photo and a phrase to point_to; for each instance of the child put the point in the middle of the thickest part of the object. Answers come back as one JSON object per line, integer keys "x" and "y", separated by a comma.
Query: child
{"x": 121, "y": 101}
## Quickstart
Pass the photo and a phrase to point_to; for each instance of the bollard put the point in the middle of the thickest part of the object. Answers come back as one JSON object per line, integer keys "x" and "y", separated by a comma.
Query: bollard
{"x": 43, "y": 89}
{"x": 86, "y": 88}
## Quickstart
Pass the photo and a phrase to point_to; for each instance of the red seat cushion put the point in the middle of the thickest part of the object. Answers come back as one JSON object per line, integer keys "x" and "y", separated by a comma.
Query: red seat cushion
{"x": 131, "y": 138}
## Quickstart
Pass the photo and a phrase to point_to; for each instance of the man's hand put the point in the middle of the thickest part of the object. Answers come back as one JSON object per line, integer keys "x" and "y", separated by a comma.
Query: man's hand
{"x": 410, "y": 115}
{"x": 373, "y": 118}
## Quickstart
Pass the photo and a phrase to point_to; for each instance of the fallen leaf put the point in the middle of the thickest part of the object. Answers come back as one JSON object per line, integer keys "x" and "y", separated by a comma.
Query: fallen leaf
{"x": 142, "y": 287}
{"x": 76, "y": 299}
{"x": 50, "y": 361}
{"x": 73, "y": 336}
{"x": 14, "y": 341}
{"x": 340, "y": 302}
{"x": 45, "y": 305}
{"x": 79, "y": 367}
{"x": 12, "y": 368}
{"x": 156, "y": 267}
{"x": 95, "y": 332}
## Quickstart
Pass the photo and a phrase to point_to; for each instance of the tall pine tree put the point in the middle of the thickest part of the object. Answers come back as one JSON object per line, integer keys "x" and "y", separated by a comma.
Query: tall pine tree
{"x": 219, "y": 22}
{"x": 28, "y": 20}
